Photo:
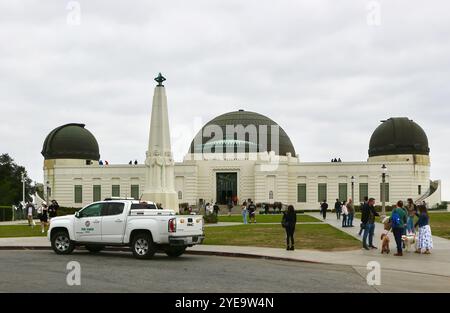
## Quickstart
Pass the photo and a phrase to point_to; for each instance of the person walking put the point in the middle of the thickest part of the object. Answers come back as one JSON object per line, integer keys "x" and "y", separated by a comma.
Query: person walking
{"x": 344, "y": 214}
{"x": 230, "y": 206}
{"x": 244, "y": 212}
{"x": 368, "y": 214}
{"x": 53, "y": 210}
{"x": 398, "y": 220}
{"x": 43, "y": 215}
{"x": 252, "y": 212}
{"x": 425, "y": 241}
{"x": 351, "y": 212}
{"x": 412, "y": 212}
{"x": 289, "y": 221}
{"x": 323, "y": 209}
{"x": 338, "y": 209}
{"x": 216, "y": 208}
{"x": 30, "y": 208}
{"x": 361, "y": 226}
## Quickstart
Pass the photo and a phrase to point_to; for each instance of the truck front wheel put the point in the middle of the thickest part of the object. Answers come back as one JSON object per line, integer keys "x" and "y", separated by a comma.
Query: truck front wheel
{"x": 143, "y": 246}
{"x": 61, "y": 243}
{"x": 174, "y": 252}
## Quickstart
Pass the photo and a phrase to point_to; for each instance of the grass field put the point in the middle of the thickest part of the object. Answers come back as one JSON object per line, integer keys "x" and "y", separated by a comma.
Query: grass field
{"x": 440, "y": 224}
{"x": 269, "y": 218}
{"x": 20, "y": 231}
{"x": 307, "y": 236}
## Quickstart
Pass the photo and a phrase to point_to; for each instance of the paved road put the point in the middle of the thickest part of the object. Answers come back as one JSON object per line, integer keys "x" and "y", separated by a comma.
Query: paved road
{"x": 43, "y": 271}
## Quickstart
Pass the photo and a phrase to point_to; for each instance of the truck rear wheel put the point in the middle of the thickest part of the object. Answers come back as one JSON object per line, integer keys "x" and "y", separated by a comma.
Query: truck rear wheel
{"x": 143, "y": 246}
{"x": 61, "y": 243}
{"x": 94, "y": 248}
{"x": 174, "y": 252}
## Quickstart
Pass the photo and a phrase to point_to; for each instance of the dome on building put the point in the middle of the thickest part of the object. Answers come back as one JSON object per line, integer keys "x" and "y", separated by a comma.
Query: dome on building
{"x": 248, "y": 143}
{"x": 398, "y": 135}
{"x": 71, "y": 141}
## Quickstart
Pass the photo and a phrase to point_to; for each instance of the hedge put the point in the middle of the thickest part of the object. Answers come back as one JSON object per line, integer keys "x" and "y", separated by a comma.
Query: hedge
{"x": 5, "y": 213}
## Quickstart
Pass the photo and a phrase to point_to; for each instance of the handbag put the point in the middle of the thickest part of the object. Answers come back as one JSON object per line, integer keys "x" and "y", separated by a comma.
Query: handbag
{"x": 283, "y": 221}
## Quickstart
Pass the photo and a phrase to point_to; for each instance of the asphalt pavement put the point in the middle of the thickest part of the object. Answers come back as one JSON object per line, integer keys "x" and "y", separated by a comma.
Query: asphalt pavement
{"x": 44, "y": 271}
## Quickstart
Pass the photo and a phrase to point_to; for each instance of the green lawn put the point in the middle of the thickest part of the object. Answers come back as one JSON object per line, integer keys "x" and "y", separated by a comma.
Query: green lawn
{"x": 20, "y": 231}
{"x": 269, "y": 218}
{"x": 440, "y": 224}
{"x": 307, "y": 236}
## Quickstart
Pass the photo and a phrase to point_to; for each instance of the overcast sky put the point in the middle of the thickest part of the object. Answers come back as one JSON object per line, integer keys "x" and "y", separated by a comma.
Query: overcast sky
{"x": 326, "y": 71}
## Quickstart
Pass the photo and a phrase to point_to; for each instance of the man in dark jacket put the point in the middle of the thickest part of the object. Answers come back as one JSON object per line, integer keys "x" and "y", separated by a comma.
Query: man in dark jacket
{"x": 368, "y": 214}
{"x": 324, "y": 208}
{"x": 338, "y": 209}
{"x": 53, "y": 209}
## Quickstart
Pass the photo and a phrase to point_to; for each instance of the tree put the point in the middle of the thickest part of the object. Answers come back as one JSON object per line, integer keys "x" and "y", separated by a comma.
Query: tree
{"x": 11, "y": 182}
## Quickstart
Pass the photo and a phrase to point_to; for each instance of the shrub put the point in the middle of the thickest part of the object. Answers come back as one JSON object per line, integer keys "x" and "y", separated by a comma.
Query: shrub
{"x": 210, "y": 218}
{"x": 442, "y": 206}
{"x": 66, "y": 211}
{"x": 5, "y": 213}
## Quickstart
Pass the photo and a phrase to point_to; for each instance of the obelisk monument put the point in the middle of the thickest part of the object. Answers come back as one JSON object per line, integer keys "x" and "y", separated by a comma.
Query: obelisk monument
{"x": 160, "y": 177}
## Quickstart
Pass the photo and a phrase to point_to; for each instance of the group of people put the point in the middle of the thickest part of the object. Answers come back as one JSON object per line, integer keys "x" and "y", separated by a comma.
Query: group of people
{"x": 401, "y": 223}
{"x": 346, "y": 210}
{"x": 44, "y": 213}
{"x": 248, "y": 210}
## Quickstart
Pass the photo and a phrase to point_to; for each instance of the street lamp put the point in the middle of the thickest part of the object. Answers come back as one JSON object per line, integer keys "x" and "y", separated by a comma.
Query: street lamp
{"x": 23, "y": 187}
{"x": 353, "y": 188}
{"x": 48, "y": 191}
{"x": 383, "y": 189}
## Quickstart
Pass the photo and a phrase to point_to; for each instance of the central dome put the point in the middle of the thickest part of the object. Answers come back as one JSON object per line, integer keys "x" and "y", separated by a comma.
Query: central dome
{"x": 244, "y": 118}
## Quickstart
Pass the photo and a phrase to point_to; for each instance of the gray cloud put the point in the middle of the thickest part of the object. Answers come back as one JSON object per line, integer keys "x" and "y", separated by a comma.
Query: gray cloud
{"x": 315, "y": 67}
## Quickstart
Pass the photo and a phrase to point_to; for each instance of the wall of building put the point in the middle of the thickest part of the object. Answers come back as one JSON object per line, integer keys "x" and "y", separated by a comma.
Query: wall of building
{"x": 63, "y": 176}
{"x": 260, "y": 180}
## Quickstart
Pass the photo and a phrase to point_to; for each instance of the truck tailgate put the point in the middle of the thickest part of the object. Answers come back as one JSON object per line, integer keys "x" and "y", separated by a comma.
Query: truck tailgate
{"x": 189, "y": 225}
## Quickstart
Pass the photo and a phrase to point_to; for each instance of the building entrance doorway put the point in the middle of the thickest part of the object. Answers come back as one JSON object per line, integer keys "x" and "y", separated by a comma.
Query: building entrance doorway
{"x": 226, "y": 187}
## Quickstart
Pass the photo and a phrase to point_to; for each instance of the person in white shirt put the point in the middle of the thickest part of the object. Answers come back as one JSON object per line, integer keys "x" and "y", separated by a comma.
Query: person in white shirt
{"x": 30, "y": 208}
{"x": 344, "y": 211}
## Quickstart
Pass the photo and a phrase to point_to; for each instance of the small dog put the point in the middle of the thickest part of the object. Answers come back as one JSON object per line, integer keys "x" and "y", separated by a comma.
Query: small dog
{"x": 385, "y": 243}
{"x": 409, "y": 240}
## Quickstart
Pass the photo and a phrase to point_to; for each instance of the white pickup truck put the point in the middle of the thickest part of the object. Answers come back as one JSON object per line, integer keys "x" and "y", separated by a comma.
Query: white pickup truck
{"x": 139, "y": 225}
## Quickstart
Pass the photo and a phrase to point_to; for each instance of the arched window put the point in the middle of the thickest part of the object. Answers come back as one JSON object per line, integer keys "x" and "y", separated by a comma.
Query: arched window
{"x": 180, "y": 195}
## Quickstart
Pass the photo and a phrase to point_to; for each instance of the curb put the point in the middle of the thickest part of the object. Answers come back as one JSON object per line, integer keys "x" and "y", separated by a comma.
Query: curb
{"x": 191, "y": 252}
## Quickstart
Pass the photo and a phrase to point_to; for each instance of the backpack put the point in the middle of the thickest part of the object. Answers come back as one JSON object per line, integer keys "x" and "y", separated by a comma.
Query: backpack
{"x": 395, "y": 218}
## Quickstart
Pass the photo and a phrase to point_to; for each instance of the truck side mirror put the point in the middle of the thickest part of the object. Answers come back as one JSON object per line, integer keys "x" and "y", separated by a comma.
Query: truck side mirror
{"x": 77, "y": 214}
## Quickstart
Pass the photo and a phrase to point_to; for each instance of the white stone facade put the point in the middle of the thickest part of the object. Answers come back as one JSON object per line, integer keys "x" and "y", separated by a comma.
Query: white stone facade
{"x": 256, "y": 179}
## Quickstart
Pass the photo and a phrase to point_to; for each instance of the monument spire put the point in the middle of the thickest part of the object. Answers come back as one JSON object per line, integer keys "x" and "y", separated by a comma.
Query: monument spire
{"x": 160, "y": 177}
